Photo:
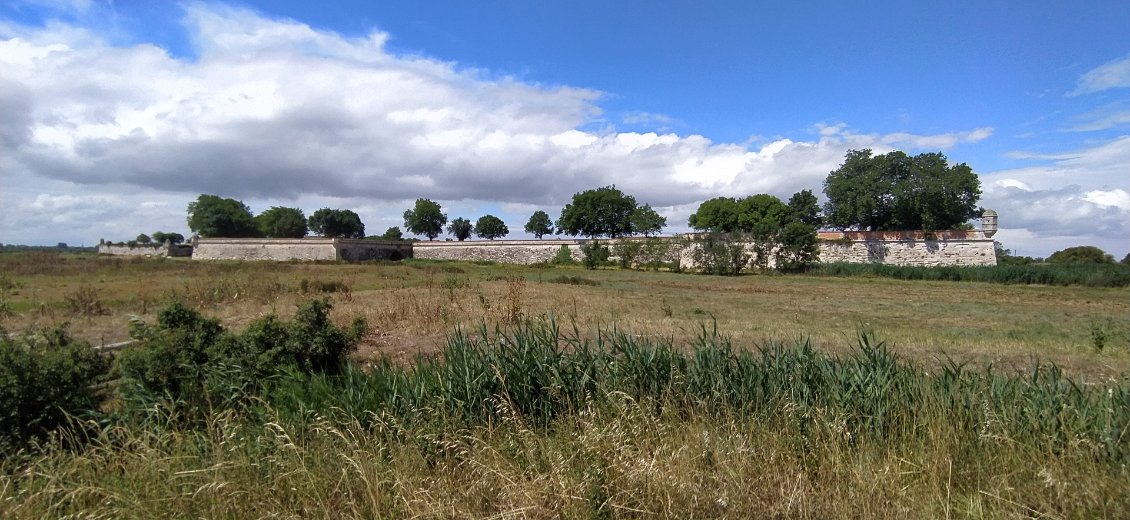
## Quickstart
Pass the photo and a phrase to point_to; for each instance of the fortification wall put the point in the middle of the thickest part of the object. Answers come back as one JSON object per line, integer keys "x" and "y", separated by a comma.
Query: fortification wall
{"x": 152, "y": 251}
{"x": 908, "y": 248}
{"x": 502, "y": 251}
{"x": 895, "y": 248}
{"x": 362, "y": 250}
{"x": 278, "y": 249}
{"x": 302, "y": 249}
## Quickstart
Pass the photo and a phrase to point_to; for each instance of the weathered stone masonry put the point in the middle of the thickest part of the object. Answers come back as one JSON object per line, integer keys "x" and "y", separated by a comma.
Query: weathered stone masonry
{"x": 283, "y": 249}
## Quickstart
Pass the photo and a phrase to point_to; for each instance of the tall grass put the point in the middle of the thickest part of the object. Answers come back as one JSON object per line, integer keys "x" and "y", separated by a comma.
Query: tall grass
{"x": 1086, "y": 275}
{"x": 537, "y": 420}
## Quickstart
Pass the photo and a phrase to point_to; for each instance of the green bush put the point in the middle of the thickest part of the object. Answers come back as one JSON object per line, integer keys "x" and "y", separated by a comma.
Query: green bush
{"x": 44, "y": 378}
{"x": 564, "y": 256}
{"x": 718, "y": 254}
{"x": 193, "y": 362}
{"x": 595, "y": 254}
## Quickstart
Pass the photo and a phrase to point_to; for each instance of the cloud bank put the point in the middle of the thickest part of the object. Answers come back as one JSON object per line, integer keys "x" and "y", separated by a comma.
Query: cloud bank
{"x": 104, "y": 140}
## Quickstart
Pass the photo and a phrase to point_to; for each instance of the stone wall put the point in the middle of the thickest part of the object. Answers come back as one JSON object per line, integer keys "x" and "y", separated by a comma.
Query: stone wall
{"x": 352, "y": 250}
{"x": 502, "y": 251}
{"x": 147, "y": 250}
{"x": 302, "y": 249}
{"x": 896, "y": 248}
{"x": 908, "y": 248}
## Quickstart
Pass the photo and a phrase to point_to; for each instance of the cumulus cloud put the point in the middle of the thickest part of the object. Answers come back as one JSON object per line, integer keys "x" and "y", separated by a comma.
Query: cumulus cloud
{"x": 1115, "y": 74}
{"x": 1080, "y": 194}
{"x": 274, "y": 109}
{"x": 100, "y": 138}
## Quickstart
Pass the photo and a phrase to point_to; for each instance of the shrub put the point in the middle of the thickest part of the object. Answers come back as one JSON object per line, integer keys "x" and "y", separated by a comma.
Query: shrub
{"x": 564, "y": 256}
{"x": 595, "y": 254}
{"x": 44, "y": 379}
{"x": 627, "y": 252}
{"x": 720, "y": 255}
{"x": 197, "y": 365}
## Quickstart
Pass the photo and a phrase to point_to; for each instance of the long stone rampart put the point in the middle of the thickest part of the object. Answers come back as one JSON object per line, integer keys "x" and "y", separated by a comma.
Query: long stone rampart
{"x": 502, "y": 251}
{"x": 895, "y": 248}
{"x": 908, "y": 248}
{"x": 146, "y": 250}
{"x": 302, "y": 249}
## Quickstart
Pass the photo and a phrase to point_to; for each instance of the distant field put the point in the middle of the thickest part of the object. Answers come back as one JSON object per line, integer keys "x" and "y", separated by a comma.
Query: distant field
{"x": 412, "y": 306}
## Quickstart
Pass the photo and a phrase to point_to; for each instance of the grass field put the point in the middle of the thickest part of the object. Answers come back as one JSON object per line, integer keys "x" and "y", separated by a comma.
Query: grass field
{"x": 411, "y": 306}
{"x": 600, "y": 394}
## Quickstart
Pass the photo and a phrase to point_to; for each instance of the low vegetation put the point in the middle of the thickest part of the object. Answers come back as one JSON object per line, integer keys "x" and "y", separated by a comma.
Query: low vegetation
{"x": 480, "y": 390}
{"x": 1081, "y": 274}
{"x": 539, "y": 421}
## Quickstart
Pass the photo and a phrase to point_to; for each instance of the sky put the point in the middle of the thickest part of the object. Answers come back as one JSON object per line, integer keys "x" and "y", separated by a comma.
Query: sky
{"x": 114, "y": 115}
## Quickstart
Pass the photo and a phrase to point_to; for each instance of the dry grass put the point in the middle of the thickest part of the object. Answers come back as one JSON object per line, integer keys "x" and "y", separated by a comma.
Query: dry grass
{"x": 410, "y": 306}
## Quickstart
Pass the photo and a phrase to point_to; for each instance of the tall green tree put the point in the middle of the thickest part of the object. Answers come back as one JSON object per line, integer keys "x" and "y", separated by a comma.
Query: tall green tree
{"x": 805, "y": 208}
{"x": 491, "y": 227}
{"x": 281, "y": 222}
{"x": 161, "y": 237}
{"x": 337, "y": 223}
{"x": 425, "y": 218}
{"x": 539, "y": 224}
{"x": 717, "y": 215}
{"x": 797, "y": 246}
{"x": 895, "y": 191}
{"x": 460, "y": 228}
{"x": 603, "y": 211}
{"x": 393, "y": 233}
{"x": 646, "y": 221}
{"x": 211, "y": 216}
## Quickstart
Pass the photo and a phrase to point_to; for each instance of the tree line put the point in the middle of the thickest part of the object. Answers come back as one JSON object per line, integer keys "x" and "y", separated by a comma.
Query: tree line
{"x": 867, "y": 192}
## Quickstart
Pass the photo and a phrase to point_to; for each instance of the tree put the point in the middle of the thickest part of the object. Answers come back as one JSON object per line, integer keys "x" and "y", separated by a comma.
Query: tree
{"x": 895, "y": 191}
{"x": 797, "y": 246}
{"x": 598, "y": 212}
{"x": 805, "y": 208}
{"x": 161, "y": 237}
{"x": 393, "y": 233}
{"x": 280, "y": 222}
{"x": 539, "y": 224}
{"x": 491, "y": 227}
{"x": 460, "y": 228}
{"x": 213, "y": 216}
{"x": 425, "y": 218}
{"x": 337, "y": 223}
{"x": 1125, "y": 260}
{"x": 143, "y": 239}
{"x": 1081, "y": 255}
{"x": 718, "y": 215}
{"x": 647, "y": 222}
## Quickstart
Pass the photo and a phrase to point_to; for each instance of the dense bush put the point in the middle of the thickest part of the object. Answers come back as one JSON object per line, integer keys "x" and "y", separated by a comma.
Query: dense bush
{"x": 1088, "y": 275}
{"x": 44, "y": 378}
{"x": 197, "y": 365}
{"x": 595, "y": 254}
{"x": 720, "y": 254}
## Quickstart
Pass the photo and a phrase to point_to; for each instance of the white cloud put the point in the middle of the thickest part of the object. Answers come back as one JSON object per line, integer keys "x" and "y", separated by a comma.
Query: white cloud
{"x": 1108, "y": 116}
{"x": 101, "y": 140}
{"x": 1078, "y": 198}
{"x": 1114, "y": 74}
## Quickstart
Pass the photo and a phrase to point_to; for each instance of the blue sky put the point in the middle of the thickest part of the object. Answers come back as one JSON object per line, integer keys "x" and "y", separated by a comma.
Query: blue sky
{"x": 122, "y": 112}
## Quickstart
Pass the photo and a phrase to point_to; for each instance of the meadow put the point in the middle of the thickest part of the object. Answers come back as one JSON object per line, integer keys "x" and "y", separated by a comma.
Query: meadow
{"x": 498, "y": 391}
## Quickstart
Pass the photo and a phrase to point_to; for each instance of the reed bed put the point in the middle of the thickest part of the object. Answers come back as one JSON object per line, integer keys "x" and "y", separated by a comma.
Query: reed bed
{"x": 541, "y": 421}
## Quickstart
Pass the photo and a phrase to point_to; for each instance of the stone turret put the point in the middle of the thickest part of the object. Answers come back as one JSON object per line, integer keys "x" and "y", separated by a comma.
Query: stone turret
{"x": 989, "y": 223}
